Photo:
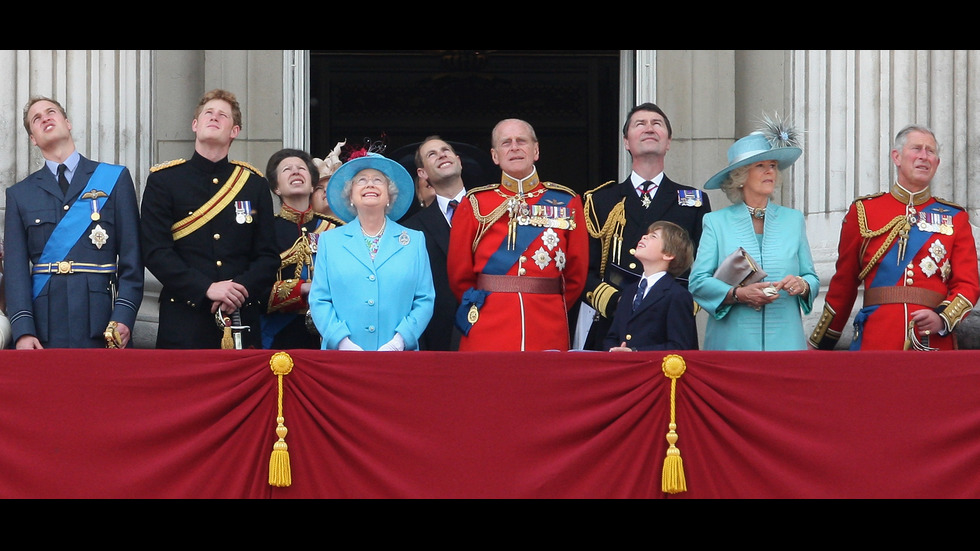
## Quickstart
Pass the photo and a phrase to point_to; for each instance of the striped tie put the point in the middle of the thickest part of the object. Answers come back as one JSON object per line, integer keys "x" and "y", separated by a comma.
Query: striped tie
{"x": 639, "y": 294}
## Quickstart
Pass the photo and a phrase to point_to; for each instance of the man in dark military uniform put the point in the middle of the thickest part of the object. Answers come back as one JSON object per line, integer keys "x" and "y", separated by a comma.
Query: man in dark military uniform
{"x": 208, "y": 236}
{"x": 74, "y": 276}
{"x": 618, "y": 215}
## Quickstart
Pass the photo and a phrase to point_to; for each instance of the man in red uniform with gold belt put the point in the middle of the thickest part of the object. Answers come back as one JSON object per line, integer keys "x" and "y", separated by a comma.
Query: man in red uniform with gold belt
{"x": 518, "y": 253}
{"x": 915, "y": 254}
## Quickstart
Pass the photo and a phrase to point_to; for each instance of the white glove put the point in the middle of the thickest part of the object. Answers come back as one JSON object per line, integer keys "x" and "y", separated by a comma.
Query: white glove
{"x": 348, "y": 344}
{"x": 397, "y": 344}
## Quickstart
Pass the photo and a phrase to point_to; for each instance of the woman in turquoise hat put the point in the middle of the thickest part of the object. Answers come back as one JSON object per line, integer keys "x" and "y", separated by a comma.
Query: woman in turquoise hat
{"x": 373, "y": 286}
{"x": 765, "y": 315}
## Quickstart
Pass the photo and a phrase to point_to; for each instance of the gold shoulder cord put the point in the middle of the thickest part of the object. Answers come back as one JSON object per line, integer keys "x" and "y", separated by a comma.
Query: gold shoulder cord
{"x": 898, "y": 225}
{"x": 610, "y": 234}
{"x": 485, "y": 221}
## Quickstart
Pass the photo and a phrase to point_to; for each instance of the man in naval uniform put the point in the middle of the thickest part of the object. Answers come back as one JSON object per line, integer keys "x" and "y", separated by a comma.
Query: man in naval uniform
{"x": 518, "y": 253}
{"x": 74, "y": 275}
{"x": 618, "y": 214}
{"x": 208, "y": 236}
{"x": 915, "y": 254}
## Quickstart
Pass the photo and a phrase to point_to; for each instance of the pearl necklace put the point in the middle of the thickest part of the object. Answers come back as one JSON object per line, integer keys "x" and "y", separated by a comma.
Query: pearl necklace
{"x": 377, "y": 235}
{"x": 758, "y": 214}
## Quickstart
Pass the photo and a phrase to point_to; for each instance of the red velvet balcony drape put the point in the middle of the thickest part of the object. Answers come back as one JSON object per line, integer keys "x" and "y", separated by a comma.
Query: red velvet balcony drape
{"x": 201, "y": 424}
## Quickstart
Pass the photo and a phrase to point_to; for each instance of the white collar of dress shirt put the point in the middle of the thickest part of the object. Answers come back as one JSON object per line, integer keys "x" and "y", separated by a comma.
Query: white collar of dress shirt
{"x": 637, "y": 181}
{"x": 444, "y": 202}
{"x": 652, "y": 280}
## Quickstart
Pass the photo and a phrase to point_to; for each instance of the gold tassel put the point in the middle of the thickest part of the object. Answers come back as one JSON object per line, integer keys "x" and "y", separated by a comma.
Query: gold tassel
{"x": 227, "y": 343}
{"x": 673, "y": 481}
{"x": 279, "y": 472}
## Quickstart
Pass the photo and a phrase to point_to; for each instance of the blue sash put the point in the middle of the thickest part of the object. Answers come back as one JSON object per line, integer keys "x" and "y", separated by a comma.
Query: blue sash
{"x": 71, "y": 228}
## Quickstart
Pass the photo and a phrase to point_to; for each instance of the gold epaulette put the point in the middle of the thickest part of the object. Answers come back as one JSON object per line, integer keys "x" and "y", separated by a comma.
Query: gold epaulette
{"x": 593, "y": 190}
{"x": 872, "y": 196}
{"x": 949, "y": 203}
{"x": 167, "y": 164}
{"x": 248, "y": 166}
{"x": 482, "y": 188}
{"x": 559, "y": 187}
{"x": 329, "y": 218}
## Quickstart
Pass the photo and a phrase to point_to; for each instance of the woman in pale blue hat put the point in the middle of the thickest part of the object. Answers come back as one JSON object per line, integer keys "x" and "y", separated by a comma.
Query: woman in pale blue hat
{"x": 373, "y": 286}
{"x": 765, "y": 315}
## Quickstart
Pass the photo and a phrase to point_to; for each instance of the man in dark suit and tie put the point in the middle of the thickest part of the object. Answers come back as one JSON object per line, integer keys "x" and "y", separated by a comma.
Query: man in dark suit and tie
{"x": 618, "y": 215}
{"x": 437, "y": 161}
{"x": 74, "y": 273}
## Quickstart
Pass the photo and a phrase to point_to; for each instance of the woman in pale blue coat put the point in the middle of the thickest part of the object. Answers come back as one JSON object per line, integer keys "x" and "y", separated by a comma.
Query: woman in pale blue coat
{"x": 373, "y": 287}
{"x": 766, "y": 315}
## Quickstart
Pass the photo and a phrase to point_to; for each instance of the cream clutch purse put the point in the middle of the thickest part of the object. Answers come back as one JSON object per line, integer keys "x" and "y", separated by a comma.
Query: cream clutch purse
{"x": 739, "y": 269}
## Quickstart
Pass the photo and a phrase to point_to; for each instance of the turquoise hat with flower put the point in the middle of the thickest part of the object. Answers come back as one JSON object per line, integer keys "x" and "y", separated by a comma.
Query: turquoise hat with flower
{"x": 362, "y": 159}
{"x": 776, "y": 141}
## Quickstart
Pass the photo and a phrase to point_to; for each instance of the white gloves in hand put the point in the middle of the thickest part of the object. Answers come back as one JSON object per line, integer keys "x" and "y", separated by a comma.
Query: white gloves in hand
{"x": 396, "y": 344}
{"x": 348, "y": 344}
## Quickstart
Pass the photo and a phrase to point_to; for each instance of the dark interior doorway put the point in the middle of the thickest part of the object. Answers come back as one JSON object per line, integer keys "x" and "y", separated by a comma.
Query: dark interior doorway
{"x": 571, "y": 97}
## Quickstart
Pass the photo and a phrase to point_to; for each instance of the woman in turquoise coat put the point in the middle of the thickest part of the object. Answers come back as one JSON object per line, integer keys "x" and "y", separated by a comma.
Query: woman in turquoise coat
{"x": 767, "y": 315}
{"x": 373, "y": 286}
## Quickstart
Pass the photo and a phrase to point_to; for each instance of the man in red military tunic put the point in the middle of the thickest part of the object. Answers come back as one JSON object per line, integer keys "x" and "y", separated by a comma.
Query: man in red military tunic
{"x": 915, "y": 254}
{"x": 518, "y": 253}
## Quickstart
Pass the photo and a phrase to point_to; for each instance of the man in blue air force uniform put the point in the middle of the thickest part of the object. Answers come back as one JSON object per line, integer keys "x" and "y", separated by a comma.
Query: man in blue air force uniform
{"x": 74, "y": 274}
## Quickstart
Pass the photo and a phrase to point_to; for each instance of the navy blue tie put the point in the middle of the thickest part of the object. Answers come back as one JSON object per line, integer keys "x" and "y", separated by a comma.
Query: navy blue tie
{"x": 639, "y": 294}
{"x": 62, "y": 179}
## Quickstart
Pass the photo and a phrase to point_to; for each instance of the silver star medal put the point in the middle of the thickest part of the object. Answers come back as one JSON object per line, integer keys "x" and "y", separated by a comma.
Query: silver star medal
{"x": 646, "y": 201}
{"x": 99, "y": 236}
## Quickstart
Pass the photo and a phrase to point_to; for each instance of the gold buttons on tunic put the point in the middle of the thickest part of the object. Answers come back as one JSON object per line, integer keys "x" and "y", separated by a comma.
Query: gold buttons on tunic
{"x": 215, "y": 181}
{"x": 218, "y": 263}
{"x": 217, "y": 236}
{"x": 632, "y": 265}
{"x": 633, "y": 252}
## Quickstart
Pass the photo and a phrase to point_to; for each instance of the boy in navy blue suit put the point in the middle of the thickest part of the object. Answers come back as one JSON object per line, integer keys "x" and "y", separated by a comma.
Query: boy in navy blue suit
{"x": 657, "y": 312}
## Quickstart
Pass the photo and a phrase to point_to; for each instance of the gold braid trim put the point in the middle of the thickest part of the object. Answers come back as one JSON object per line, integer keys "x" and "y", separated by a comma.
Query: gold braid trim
{"x": 609, "y": 233}
{"x": 300, "y": 254}
{"x": 485, "y": 221}
{"x": 822, "y": 330}
{"x": 601, "y": 296}
{"x": 955, "y": 312}
{"x": 896, "y": 226}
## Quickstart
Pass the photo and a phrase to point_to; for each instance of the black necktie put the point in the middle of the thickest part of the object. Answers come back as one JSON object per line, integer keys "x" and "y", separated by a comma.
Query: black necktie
{"x": 639, "y": 294}
{"x": 62, "y": 179}
{"x": 451, "y": 209}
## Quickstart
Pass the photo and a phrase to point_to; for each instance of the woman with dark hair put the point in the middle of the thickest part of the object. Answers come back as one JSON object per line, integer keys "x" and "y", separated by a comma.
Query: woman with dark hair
{"x": 292, "y": 174}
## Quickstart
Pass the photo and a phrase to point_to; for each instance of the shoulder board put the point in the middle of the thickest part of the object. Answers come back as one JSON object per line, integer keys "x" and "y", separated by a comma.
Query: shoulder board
{"x": 559, "y": 187}
{"x": 248, "y": 166}
{"x": 593, "y": 190}
{"x": 872, "y": 196}
{"x": 949, "y": 203}
{"x": 167, "y": 164}
{"x": 482, "y": 188}
{"x": 332, "y": 219}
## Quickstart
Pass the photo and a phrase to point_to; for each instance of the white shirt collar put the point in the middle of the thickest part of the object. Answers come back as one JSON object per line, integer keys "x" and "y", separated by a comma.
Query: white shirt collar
{"x": 637, "y": 181}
